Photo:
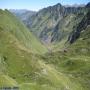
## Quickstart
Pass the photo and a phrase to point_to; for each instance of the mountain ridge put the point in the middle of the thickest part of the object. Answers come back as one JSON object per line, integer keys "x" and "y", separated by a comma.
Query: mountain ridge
{"x": 29, "y": 65}
{"x": 49, "y": 18}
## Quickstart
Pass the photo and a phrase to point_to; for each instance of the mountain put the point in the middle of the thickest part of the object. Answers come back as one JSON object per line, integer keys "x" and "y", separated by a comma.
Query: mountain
{"x": 74, "y": 59}
{"x": 22, "y": 68}
{"x": 88, "y": 5}
{"x": 54, "y": 23}
{"x": 27, "y": 64}
{"x": 23, "y": 14}
{"x": 19, "y": 53}
{"x": 80, "y": 28}
{"x": 75, "y": 5}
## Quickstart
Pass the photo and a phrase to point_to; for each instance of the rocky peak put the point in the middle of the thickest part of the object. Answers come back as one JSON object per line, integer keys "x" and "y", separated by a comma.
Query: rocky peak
{"x": 88, "y": 5}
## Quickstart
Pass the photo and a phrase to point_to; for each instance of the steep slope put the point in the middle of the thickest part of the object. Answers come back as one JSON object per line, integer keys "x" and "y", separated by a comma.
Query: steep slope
{"x": 54, "y": 23}
{"x": 11, "y": 24}
{"x": 69, "y": 68}
{"x": 66, "y": 69}
{"x": 17, "y": 64}
{"x": 28, "y": 69}
{"x": 80, "y": 28}
{"x": 88, "y": 5}
{"x": 6, "y": 81}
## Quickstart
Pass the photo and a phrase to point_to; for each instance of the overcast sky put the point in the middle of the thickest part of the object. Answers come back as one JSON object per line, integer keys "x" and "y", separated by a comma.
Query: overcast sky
{"x": 35, "y": 5}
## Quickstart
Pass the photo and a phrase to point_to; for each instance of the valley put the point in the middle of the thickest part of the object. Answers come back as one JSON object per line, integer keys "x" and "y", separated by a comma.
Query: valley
{"x": 45, "y": 50}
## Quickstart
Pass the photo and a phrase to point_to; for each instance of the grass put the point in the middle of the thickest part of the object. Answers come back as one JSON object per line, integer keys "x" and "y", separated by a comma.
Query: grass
{"x": 59, "y": 81}
{"x": 58, "y": 70}
{"x": 6, "y": 81}
{"x": 75, "y": 61}
{"x": 10, "y": 23}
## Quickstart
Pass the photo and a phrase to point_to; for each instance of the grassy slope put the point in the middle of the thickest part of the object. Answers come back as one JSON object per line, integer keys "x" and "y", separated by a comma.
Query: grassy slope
{"x": 66, "y": 70}
{"x": 16, "y": 54}
{"x": 57, "y": 71}
{"x": 17, "y": 28}
{"x": 75, "y": 61}
{"x": 27, "y": 70}
{"x": 6, "y": 81}
{"x": 24, "y": 67}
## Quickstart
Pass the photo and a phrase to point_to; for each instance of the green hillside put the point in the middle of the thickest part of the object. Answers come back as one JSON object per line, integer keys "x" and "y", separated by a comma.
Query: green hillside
{"x": 27, "y": 64}
{"x": 18, "y": 49}
{"x": 20, "y": 67}
{"x": 10, "y": 23}
{"x": 74, "y": 59}
{"x": 28, "y": 70}
{"x": 6, "y": 81}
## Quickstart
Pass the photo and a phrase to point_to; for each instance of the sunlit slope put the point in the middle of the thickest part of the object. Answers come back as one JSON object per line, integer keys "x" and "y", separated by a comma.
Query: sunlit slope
{"x": 29, "y": 70}
{"x": 6, "y": 81}
{"x": 10, "y": 23}
{"x": 74, "y": 59}
{"x": 63, "y": 69}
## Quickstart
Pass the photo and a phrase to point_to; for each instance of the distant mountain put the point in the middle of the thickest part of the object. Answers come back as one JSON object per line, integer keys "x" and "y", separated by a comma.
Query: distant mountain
{"x": 23, "y": 14}
{"x": 75, "y": 5}
{"x": 54, "y": 23}
{"x": 18, "y": 11}
{"x": 88, "y": 5}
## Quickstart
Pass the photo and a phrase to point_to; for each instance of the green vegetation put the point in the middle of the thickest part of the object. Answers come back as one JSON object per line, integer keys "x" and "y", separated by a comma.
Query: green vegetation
{"x": 10, "y": 23}
{"x": 74, "y": 61}
{"x": 25, "y": 62}
{"x": 18, "y": 60}
{"x": 6, "y": 81}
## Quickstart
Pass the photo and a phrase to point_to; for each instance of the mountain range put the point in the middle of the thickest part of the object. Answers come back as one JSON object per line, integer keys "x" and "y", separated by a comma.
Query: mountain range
{"x": 53, "y": 23}
{"x": 45, "y": 50}
{"x": 23, "y": 14}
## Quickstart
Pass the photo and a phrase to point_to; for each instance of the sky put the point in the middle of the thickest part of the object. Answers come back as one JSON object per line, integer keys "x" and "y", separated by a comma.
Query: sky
{"x": 35, "y": 5}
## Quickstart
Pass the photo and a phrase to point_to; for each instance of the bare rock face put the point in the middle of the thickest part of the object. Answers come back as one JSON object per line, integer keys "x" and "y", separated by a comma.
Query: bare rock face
{"x": 80, "y": 27}
{"x": 54, "y": 23}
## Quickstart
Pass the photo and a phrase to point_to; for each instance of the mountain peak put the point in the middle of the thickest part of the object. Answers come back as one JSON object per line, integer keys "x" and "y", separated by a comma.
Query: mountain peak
{"x": 58, "y": 5}
{"x": 88, "y": 5}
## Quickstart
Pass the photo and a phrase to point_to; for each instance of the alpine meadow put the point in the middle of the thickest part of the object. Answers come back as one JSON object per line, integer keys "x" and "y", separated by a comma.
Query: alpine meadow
{"x": 47, "y": 49}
